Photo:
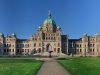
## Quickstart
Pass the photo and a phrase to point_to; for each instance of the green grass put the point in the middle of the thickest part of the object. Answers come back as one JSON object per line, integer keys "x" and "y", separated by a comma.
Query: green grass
{"x": 82, "y": 65}
{"x": 13, "y": 66}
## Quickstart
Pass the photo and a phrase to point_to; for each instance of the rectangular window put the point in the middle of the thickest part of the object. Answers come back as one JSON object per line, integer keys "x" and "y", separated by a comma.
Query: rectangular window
{"x": 58, "y": 44}
{"x": 4, "y": 50}
{"x": 54, "y": 49}
{"x": 12, "y": 50}
{"x": 34, "y": 44}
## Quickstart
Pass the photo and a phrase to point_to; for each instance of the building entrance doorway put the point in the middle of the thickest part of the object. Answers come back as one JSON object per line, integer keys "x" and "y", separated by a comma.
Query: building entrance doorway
{"x": 58, "y": 51}
{"x": 39, "y": 50}
{"x": 49, "y": 48}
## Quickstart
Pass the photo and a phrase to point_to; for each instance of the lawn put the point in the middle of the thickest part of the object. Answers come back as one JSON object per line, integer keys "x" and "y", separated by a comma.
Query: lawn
{"x": 13, "y": 66}
{"x": 82, "y": 65}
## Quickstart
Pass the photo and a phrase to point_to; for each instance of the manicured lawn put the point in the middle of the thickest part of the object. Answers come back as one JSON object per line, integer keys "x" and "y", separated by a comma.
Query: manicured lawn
{"x": 82, "y": 65}
{"x": 9, "y": 66}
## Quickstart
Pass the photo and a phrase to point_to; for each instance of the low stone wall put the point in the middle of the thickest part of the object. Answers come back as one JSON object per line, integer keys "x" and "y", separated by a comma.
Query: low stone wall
{"x": 44, "y": 58}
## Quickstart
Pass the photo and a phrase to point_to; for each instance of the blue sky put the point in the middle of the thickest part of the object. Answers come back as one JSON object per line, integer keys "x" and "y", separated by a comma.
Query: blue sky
{"x": 74, "y": 16}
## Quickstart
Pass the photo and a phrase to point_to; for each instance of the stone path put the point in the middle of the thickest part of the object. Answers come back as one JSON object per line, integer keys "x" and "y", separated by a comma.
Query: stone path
{"x": 52, "y": 67}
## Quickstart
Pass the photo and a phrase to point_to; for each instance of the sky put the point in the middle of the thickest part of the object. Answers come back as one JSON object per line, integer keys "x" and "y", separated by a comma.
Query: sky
{"x": 73, "y": 16}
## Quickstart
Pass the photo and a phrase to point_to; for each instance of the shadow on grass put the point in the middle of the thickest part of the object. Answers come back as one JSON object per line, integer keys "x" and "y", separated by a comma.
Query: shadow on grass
{"x": 62, "y": 58}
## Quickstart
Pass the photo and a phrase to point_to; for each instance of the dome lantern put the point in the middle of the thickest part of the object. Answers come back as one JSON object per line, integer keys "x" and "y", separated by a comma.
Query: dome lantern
{"x": 40, "y": 27}
{"x": 13, "y": 34}
{"x": 58, "y": 27}
{"x": 1, "y": 34}
{"x": 84, "y": 34}
{"x": 49, "y": 20}
{"x": 96, "y": 34}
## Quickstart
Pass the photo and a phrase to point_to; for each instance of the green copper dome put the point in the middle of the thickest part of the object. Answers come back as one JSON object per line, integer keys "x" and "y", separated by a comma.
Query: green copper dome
{"x": 84, "y": 34}
{"x": 39, "y": 27}
{"x": 13, "y": 34}
{"x": 49, "y": 20}
{"x": 1, "y": 34}
{"x": 96, "y": 34}
{"x": 58, "y": 27}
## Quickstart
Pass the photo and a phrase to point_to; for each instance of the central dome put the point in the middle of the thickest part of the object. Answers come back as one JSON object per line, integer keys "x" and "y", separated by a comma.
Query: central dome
{"x": 49, "y": 20}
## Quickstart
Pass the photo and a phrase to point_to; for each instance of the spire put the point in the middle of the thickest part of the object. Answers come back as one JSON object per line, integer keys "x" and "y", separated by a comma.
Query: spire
{"x": 49, "y": 15}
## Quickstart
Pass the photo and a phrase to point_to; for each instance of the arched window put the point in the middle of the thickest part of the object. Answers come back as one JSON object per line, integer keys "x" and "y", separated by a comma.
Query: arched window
{"x": 54, "y": 38}
{"x": 34, "y": 44}
{"x": 49, "y": 38}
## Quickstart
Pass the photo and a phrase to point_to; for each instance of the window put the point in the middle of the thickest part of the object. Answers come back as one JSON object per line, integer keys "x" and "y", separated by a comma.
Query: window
{"x": 63, "y": 44}
{"x": 63, "y": 49}
{"x": 80, "y": 45}
{"x": 49, "y": 38}
{"x": 97, "y": 50}
{"x": 54, "y": 38}
{"x": 27, "y": 45}
{"x": 54, "y": 49}
{"x": 80, "y": 50}
{"x": 4, "y": 50}
{"x": 12, "y": 50}
{"x": 93, "y": 45}
{"x": 34, "y": 44}
{"x": 58, "y": 44}
{"x": 17, "y": 45}
{"x": 77, "y": 45}
{"x": 85, "y": 45}
{"x": 17, "y": 50}
{"x": 7, "y": 50}
{"x": 85, "y": 50}
{"x": 43, "y": 44}
{"x": 93, "y": 50}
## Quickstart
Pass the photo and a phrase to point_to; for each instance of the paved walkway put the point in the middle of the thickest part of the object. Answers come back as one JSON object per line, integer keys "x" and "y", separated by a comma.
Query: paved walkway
{"x": 52, "y": 67}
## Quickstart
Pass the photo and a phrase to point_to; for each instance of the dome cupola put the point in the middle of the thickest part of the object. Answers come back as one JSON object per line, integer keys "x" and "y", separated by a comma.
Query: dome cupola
{"x": 40, "y": 27}
{"x": 1, "y": 34}
{"x": 96, "y": 34}
{"x": 49, "y": 20}
{"x": 58, "y": 27}
{"x": 13, "y": 34}
{"x": 84, "y": 34}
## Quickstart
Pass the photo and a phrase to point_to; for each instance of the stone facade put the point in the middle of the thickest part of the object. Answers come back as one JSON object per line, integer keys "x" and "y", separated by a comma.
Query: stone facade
{"x": 49, "y": 37}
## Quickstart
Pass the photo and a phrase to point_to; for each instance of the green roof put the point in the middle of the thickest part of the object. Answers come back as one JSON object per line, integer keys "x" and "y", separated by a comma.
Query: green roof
{"x": 96, "y": 34}
{"x": 40, "y": 27}
{"x": 84, "y": 34}
{"x": 1, "y": 34}
{"x": 13, "y": 34}
{"x": 58, "y": 27}
{"x": 49, "y": 20}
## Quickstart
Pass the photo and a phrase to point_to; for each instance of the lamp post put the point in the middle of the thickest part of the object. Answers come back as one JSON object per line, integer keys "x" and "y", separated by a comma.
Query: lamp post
{"x": 50, "y": 53}
{"x": 72, "y": 50}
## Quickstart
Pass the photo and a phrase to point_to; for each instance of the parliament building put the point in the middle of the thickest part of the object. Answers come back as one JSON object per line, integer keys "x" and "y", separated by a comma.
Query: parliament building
{"x": 49, "y": 38}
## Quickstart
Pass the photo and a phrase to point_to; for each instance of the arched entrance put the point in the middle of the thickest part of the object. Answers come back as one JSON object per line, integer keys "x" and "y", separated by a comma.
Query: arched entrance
{"x": 48, "y": 48}
{"x": 39, "y": 50}
{"x": 58, "y": 51}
